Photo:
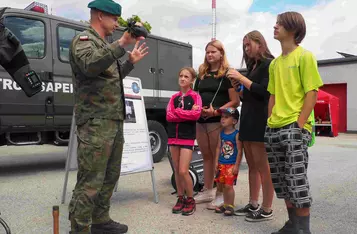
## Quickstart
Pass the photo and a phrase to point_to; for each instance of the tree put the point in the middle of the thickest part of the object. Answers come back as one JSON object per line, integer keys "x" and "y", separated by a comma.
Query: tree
{"x": 124, "y": 23}
{"x": 84, "y": 21}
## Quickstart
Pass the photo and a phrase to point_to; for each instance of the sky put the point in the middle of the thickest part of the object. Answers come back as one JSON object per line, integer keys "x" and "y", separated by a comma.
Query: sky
{"x": 331, "y": 24}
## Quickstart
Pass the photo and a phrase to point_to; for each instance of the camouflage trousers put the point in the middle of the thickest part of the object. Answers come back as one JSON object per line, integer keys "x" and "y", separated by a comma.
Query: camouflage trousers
{"x": 100, "y": 148}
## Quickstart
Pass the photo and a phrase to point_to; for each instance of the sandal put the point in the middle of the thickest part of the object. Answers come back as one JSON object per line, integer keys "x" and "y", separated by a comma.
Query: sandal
{"x": 220, "y": 209}
{"x": 229, "y": 210}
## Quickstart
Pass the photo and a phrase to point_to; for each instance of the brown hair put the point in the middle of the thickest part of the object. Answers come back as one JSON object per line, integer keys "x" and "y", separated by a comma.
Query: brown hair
{"x": 293, "y": 22}
{"x": 191, "y": 71}
{"x": 263, "y": 52}
{"x": 204, "y": 68}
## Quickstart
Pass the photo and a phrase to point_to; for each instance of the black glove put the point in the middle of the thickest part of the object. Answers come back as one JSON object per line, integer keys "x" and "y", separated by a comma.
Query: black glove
{"x": 15, "y": 62}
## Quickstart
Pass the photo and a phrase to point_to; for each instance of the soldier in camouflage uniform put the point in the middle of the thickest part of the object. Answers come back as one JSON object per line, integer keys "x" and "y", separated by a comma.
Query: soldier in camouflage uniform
{"x": 99, "y": 114}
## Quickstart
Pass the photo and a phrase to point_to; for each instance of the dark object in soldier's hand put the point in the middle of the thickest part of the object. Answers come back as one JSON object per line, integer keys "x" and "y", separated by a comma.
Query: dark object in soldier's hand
{"x": 136, "y": 30}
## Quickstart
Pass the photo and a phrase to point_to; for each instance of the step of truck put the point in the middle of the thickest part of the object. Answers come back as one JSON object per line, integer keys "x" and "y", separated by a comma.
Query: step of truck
{"x": 61, "y": 138}
{"x": 33, "y": 138}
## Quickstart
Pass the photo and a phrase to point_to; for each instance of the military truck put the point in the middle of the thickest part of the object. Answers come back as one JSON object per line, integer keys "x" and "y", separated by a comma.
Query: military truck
{"x": 46, "y": 117}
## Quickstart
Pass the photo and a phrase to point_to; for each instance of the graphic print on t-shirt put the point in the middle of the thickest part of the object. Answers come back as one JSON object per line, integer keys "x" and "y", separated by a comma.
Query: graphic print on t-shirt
{"x": 227, "y": 149}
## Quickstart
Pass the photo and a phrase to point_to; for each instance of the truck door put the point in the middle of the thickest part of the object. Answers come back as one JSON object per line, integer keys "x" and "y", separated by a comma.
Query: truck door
{"x": 172, "y": 57}
{"x": 18, "y": 112}
{"x": 62, "y": 35}
{"x": 146, "y": 70}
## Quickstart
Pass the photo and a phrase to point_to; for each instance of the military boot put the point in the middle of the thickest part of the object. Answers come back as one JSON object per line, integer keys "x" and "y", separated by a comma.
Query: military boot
{"x": 111, "y": 227}
{"x": 78, "y": 229}
{"x": 79, "y": 232}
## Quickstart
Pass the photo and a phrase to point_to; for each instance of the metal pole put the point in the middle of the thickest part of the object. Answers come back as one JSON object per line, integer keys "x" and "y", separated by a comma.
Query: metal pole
{"x": 213, "y": 20}
{"x": 156, "y": 197}
{"x": 69, "y": 154}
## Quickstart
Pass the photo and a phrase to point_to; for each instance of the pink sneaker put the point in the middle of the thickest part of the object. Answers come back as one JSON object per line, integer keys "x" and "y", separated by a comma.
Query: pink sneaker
{"x": 180, "y": 204}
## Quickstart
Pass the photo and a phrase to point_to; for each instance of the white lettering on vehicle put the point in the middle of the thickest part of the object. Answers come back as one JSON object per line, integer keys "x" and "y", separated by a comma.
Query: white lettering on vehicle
{"x": 8, "y": 84}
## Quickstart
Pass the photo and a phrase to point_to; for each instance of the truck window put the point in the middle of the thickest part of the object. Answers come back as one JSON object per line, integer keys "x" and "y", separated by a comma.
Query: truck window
{"x": 30, "y": 32}
{"x": 65, "y": 36}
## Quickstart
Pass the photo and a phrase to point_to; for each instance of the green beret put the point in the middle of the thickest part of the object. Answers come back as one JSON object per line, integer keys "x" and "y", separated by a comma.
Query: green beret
{"x": 108, "y": 6}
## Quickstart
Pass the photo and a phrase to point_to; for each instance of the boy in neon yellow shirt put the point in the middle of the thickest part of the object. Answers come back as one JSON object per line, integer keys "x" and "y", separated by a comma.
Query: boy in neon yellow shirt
{"x": 293, "y": 84}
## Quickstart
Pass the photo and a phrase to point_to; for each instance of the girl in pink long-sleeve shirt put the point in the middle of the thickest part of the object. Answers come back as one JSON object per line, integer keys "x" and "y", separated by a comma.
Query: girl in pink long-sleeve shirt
{"x": 183, "y": 110}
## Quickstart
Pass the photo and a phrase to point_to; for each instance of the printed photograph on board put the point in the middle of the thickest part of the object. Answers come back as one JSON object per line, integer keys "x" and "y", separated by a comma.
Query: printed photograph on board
{"x": 130, "y": 112}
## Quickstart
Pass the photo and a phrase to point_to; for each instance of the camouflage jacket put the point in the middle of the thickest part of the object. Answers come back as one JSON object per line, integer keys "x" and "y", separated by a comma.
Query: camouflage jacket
{"x": 97, "y": 77}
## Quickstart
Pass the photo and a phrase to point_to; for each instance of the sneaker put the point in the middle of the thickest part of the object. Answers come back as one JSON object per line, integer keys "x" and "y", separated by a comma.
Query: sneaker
{"x": 246, "y": 210}
{"x": 218, "y": 201}
{"x": 206, "y": 196}
{"x": 180, "y": 204}
{"x": 190, "y": 206}
{"x": 110, "y": 227}
{"x": 258, "y": 216}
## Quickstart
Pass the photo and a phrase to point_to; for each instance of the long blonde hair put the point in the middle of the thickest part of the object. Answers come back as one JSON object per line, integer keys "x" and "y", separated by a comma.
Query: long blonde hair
{"x": 205, "y": 67}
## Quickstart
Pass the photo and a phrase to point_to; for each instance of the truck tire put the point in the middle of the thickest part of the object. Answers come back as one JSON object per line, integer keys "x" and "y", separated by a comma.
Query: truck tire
{"x": 158, "y": 140}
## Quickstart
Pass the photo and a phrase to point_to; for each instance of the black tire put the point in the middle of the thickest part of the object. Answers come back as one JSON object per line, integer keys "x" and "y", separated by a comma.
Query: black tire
{"x": 173, "y": 181}
{"x": 5, "y": 226}
{"x": 194, "y": 177}
{"x": 158, "y": 140}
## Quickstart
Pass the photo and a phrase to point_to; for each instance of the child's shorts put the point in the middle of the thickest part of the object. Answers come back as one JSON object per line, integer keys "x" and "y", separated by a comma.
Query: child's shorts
{"x": 225, "y": 174}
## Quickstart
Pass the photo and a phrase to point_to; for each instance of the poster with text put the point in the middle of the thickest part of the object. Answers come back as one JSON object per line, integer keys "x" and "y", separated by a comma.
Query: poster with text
{"x": 137, "y": 149}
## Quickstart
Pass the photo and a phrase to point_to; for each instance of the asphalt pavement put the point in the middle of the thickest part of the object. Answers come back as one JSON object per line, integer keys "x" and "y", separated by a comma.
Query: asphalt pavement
{"x": 32, "y": 178}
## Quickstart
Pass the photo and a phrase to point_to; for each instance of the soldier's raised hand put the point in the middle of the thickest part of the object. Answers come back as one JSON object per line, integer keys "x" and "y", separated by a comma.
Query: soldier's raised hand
{"x": 138, "y": 52}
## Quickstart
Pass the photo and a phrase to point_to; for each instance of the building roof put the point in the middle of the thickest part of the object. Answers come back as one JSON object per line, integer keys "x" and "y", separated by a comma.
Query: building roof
{"x": 345, "y": 54}
{"x": 335, "y": 61}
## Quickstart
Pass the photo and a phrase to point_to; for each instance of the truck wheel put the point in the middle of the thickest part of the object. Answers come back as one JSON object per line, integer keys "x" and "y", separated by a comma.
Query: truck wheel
{"x": 158, "y": 140}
